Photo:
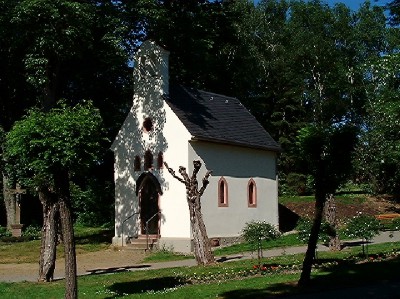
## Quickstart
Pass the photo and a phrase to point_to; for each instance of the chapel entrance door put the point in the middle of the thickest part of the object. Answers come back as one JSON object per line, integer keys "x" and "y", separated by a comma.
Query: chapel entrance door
{"x": 149, "y": 209}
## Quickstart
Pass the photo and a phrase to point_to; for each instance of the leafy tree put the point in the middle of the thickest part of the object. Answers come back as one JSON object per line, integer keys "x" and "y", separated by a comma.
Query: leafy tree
{"x": 378, "y": 151}
{"x": 44, "y": 151}
{"x": 327, "y": 151}
{"x": 322, "y": 43}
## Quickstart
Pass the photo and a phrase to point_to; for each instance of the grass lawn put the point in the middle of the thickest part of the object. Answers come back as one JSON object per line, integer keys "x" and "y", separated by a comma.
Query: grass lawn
{"x": 235, "y": 279}
{"x": 87, "y": 240}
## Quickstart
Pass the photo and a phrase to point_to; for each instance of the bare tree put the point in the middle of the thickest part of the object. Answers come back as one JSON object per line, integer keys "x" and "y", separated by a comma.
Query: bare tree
{"x": 201, "y": 243}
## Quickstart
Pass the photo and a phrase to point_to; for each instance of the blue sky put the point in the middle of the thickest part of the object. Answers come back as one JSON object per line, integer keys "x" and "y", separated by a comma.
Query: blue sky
{"x": 355, "y": 4}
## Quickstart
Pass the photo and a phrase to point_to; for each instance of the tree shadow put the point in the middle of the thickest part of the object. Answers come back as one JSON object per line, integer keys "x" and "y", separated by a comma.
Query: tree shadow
{"x": 378, "y": 279}
{"x": 121, "y": 289}
{"x": 287, "y": 219}
{"x": 103, "y": 236}
{"x": 115, "y": 269}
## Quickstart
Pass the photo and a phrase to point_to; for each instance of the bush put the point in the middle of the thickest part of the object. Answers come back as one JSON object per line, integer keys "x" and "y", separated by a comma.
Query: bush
{"x": 4, "y": 232}
{"x": 304, "y": 230}
{"x": 32, "y": 232}
{"x": 363, "y": 226}
{"x": 394, "y": 224}
{"x": 255, "y": 232}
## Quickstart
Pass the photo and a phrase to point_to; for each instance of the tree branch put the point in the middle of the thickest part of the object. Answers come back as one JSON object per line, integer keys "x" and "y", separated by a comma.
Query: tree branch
{"x": 196, "y": 168}
{"x": 172, "y": 172}
{"x": 182, "y": 171}
{"x": 205, "y": 182}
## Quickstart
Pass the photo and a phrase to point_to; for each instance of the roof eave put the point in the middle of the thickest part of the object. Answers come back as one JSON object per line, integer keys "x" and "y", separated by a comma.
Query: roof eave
{"x": 241, "y": 144}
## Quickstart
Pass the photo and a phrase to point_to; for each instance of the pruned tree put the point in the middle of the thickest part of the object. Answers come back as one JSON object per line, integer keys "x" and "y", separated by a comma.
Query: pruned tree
{"x": 202, "y": 246}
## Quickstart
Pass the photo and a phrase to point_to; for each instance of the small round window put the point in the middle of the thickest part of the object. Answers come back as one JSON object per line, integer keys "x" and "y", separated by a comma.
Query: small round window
{"x": 147, "y": 124}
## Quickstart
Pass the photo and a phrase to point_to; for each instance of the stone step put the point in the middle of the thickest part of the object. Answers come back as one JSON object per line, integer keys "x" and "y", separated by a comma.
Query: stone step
{"x": 141, "y": 243}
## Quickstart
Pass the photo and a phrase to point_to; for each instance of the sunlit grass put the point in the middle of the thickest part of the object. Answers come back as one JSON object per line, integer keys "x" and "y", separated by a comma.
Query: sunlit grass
{"x": 234, "y": 279}
{"x": 87, "y": 239}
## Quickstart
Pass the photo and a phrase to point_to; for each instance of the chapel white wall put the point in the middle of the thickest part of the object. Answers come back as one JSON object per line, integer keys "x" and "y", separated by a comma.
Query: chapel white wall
{"x": 169, "y": 136}
{"x": 237, "y": 165}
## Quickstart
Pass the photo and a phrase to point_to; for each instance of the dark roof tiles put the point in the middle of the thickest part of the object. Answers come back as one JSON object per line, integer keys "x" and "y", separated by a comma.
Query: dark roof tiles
{"x": 218, "y": 118}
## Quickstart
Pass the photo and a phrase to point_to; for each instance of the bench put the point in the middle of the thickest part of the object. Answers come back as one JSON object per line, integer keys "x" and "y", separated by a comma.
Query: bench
{"x": 387, "y": 216}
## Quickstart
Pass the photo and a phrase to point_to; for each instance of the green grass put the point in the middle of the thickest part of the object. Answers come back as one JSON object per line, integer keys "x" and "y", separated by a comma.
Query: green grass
{"x": 225, "y": 280}
{"x": 296, "y": 199}
{"x": 165, "y": 256}
{"x": 87, "y": 240}
{"x": 283, "y": 241}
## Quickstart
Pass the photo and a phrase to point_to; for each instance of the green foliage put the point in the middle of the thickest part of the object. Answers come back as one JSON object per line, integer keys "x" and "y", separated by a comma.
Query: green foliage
{"x": 92, "y": 206}
{"x": 395, "y": 224}
{"x": 378, "y": 152}
{"x": 255, "y": 231}
{"x": 362, "y": 226}
{"x": 296, "y": 184}
{"x": 4, "y": 232}
{"x": 304, "y": 230}
{"x": 326, "y": 151}
{"x": 33, "y": 232}
{"x": 41, "y": 144}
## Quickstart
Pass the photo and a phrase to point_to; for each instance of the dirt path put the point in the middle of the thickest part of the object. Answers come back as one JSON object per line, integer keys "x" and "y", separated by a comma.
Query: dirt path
{"x": 103, "y": 261}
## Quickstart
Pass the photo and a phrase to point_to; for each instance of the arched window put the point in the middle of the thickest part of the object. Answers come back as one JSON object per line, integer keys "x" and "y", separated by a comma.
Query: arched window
{"x": 222, "y": 192}
{"x": 147, "y": 125}
{"x": 137, "y": 164}
{"x": 148, "y": 160}
{"x": 160, "y": 160}
{"x": 252, "y": 194}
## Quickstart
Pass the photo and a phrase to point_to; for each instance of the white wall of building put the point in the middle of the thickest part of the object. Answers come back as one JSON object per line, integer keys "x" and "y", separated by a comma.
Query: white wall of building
{"x": 170, "y": 137}
{"x": 237, "y": 165}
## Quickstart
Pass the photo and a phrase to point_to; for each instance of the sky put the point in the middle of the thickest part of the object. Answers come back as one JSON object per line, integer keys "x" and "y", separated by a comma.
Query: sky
{"x": 355, "y": 4}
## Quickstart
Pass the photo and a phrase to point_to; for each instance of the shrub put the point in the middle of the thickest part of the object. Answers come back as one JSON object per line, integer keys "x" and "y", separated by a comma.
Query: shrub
{"x": 32, "y": 232}
{"x": 364, "y": 227}
{"x": 304, "y": 230}
{"x": 394, "y": 224}
{"x": 255, "y": 232}
{"x": 4, "y": 232}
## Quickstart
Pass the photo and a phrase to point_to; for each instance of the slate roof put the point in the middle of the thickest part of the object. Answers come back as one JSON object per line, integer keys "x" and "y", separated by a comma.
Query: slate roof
{"x": 218, "y": 118}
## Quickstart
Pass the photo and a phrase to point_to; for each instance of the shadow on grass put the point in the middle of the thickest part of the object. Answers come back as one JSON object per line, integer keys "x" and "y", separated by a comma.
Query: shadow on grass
{"x": 102, "y": 236}
{"x": 115, "y": 269}
{"x": 149, "y": 285}
{"x": 348, "y": 279}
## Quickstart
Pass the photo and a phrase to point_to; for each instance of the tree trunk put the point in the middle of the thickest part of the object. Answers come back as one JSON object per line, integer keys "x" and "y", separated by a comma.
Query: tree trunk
{"x": 201, "y": 243}
{"x": 47, "y": 260}
{"x": 320, "y": 198}
{"x": 61, "y": 182}
{"x": 330, "y": 216}
{"x": 9, "y": 202}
